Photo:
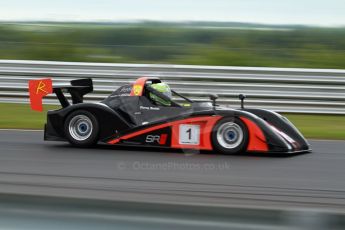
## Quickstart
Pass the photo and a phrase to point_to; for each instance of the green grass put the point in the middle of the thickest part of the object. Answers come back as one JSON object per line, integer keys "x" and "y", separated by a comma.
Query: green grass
{"x": 19, "y": 116}
{"x": 320, "y": 126}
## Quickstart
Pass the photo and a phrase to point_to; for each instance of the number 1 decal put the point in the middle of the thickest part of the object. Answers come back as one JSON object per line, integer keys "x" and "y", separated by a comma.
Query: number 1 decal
{"x": 189, "y": 134}
{"x": 189, "y": 131}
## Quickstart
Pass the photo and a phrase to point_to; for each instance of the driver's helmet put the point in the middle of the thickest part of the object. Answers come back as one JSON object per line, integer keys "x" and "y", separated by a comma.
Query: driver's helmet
{"x": 164, "y": 89}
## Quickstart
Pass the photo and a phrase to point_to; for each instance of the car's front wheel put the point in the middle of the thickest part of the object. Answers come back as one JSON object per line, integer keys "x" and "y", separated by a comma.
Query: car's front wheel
{"x": 81, "y": 128}
{"x": 230, "y": 136}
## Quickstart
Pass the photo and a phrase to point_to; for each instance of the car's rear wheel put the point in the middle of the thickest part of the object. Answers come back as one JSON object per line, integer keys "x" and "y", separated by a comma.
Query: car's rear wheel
{"x": 81, "y": 128}
{"x": 230, "y": 136}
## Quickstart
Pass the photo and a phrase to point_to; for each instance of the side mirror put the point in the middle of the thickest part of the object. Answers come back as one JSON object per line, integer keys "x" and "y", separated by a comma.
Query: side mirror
{"x": 213, "y": 98}
{"x": 242, "y": 97}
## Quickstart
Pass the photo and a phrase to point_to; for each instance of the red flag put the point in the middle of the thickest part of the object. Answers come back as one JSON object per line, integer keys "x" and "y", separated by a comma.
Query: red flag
{"x": 38, "y": 89}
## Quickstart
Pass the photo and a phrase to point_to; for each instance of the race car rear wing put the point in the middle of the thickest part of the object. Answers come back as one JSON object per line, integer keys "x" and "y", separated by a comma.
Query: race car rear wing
{"x": 39, "y": 88}
{"x": 77, "y": 89}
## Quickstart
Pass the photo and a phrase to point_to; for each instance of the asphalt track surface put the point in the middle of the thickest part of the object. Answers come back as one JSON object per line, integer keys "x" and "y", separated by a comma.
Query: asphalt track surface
{"x": 30, "y": 166}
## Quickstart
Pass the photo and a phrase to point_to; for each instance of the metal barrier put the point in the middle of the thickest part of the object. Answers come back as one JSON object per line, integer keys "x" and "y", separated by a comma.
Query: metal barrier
{"x": 317, "y": 91}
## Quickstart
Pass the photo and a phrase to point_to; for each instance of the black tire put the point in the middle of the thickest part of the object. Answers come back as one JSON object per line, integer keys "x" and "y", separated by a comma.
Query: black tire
{"x": 81, "y": 128}
{"x": 230, "y": 136}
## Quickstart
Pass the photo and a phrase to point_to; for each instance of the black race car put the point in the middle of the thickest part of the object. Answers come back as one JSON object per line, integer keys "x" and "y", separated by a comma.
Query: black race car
{"x": 129, "y": 117}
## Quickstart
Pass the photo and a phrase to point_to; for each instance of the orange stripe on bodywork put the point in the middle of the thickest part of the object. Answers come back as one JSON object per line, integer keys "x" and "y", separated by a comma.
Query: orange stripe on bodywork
{"x": 163, "y": 139}
{"x": 206, "y": 124}
{"x": 257, "y": 139}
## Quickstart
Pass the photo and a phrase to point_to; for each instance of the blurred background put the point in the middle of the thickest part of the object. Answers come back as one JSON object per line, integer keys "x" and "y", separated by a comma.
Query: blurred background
{"x": 196, "y": 43}
{"x": 237, "y": 33}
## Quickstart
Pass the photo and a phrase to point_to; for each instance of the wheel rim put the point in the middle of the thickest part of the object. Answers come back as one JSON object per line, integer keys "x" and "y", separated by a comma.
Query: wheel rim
{"x": 80, "y": 127}
{"x": 230, "y": 135}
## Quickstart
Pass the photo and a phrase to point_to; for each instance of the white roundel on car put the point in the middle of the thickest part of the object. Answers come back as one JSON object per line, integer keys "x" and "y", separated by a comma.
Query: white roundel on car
{"x": 189, "y": 134}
